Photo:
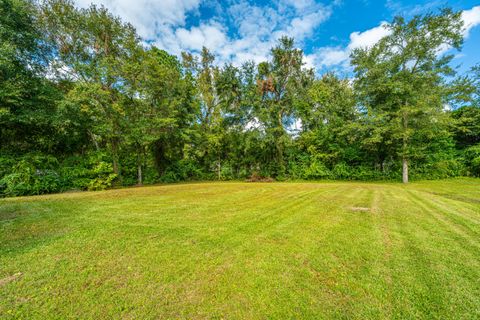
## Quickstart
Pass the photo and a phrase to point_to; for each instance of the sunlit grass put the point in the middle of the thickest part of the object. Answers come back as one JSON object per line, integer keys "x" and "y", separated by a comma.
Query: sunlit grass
{"x": 245, "y": 251}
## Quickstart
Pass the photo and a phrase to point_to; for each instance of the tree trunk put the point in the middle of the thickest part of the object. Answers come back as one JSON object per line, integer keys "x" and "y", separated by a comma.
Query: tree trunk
{"x": 94, "y": 139}
{"x": 140, "y": 157}
{"x": 116, "y": 161}
{"x": 405, "y": 148}
{"x": 139, "y": 174}
{"x": 116, "y": 164}
{"x": 405, "y": 169}
{"x": 279, "y": 145}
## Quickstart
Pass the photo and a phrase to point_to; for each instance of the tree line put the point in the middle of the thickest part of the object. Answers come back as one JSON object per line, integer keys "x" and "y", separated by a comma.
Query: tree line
{"x": 86, "y": 104}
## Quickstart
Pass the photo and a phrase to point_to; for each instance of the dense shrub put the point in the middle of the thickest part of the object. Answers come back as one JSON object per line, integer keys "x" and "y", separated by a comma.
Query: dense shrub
{"x": 90, "y": 172}
{"x": 316, "y": 170}
{"x": 342, "y": 171}
{"x": 37, "y": 174}
{"x": 32, "y": 174}
{"x": 227, "y": 172}
{"x": 438, "y": 170}
{"x": 6, "y": 164}
{"x": 184, "y": 170}
{"x": 472, "y": 160}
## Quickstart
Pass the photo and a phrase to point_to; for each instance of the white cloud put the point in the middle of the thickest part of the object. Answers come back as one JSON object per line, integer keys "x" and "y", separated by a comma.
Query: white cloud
{"x": 206, "y": 35}
{"x": 327, "y": 56}
{"x": 339, "y": 56}
{"x": 257, "y": 28}
{"x": 149, "y": 17}
{"x": 368, "y": 38}
{"x": 471, "y": 18}
{"x": 301, "y": 27}
{"x": 243, "y": 31}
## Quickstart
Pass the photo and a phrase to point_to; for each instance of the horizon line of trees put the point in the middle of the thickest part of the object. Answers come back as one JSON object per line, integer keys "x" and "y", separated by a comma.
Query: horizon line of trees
{"x": 84, "y": 104}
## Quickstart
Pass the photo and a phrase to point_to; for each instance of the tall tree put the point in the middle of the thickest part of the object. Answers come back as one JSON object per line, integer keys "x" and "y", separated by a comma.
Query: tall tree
{"x": 327, "y": 114}
{"x": 93, "y": 48}
{"x": 155, "y": 105}
{"x": 209, "y": 144}
{"x": 27, "y": 97}
{"x": 280, "y": 82}
{"x": 401, "y": 80}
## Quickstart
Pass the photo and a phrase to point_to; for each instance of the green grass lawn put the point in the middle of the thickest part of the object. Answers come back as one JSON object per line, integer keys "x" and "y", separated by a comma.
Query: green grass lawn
{"x": 245, "y": 251}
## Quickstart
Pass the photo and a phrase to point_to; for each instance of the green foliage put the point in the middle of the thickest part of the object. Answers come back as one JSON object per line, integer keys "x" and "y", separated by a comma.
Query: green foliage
{"x": 104, "y": 176}
{"x": 39, "y": 174}
{"x": 32, "y": 174}
{"x": 316, "y": 170}
{"x": 467, "y": 126}
{"x": 472, "y": 160}
{"x": 27, "y": 99}
{"x": 438, "y": 170}
{"x": 184, "y": 170}
{"x": 341, "y": 171}
{"x": 111, "y": 111}
{"x": 89, "y": 172}
{"x": 402, "y": 82}
{"x": 282, "y": 84}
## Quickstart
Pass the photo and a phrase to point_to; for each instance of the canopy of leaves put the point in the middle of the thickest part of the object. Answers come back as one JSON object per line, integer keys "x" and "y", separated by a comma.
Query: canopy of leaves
{"x": 86, "y": 104}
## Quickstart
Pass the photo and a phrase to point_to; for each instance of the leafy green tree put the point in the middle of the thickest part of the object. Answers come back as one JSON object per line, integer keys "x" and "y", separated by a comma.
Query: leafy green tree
{"x": 476, "y": 85}
{"x": 467, "y": 126}
{"x": 209, "y": 133}
{"x": 280, "y": 84}
{"x": 27, "y": 98}
{"x": 156, "y": 111}
{"x": 401, "y": 81}
{"x": 93, "y": 47}
{"x": 84, "y": 104}
{"x": 327, "y": 120}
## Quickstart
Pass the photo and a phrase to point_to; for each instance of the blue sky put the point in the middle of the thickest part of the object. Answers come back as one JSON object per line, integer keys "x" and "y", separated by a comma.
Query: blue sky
{"x": 241, "y": 30}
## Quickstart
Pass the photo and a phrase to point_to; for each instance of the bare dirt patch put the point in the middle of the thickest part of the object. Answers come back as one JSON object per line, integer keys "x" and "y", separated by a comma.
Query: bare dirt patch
{"x": 255, "y": 177}
{"x": 9, "y": 279}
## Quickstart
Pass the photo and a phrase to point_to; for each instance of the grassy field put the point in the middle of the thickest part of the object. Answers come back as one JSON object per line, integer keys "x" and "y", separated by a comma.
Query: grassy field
{"x": 245, "y": 251}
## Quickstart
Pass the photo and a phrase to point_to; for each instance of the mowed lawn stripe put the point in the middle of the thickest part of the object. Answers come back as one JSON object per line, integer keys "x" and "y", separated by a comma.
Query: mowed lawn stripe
{"x": 453, "y": 222}
{"x": 466, "y": 210}
{"x": 430, "y": 270}
{"x": 243, "y": 250}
